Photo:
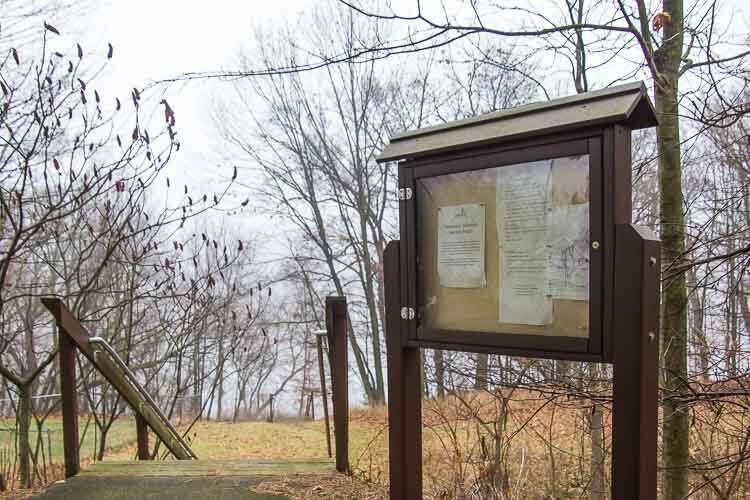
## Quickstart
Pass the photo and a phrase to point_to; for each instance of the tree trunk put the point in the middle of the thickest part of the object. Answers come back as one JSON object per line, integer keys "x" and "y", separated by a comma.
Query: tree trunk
{"x": 734, "y": 341}
{"x": 697, "y": 302}
{"x": 220, "y": 387}
{"x": 439, "y": 360}
{"x": 675, "y": 426}
{"x": 425, "y": 378}
{"x": 562, "y": 371}
{"x": 744, "y": 308}
{"x": 197, "y": 376}
{"x": 598, "y": 491}
{"x": 24, "y": 425}
{"x": 367, "y": 277}
{"x": 305, "y": 365}
{"x": 480, "y": 376}
{"x": 102, "y": 444}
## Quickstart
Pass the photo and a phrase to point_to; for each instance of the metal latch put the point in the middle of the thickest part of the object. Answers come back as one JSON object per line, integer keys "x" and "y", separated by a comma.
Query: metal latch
{"x": 407, "y": 313}
{"x": 404, "y": 194}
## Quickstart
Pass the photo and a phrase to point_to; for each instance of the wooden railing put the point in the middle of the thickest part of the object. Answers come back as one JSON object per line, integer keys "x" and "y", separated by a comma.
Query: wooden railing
{"x": 106, "y": 356}
{"x": 71, "y": 336}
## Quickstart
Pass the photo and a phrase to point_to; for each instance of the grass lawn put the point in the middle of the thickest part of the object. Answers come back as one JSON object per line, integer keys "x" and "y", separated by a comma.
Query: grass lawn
{"x": 120, "y": 434}
{"x": 216, "y": 440}
{"x": 262, "y": 440}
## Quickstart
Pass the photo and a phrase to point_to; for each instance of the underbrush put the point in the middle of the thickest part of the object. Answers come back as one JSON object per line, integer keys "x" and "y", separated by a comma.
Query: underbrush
{"x": 520, "y": 444}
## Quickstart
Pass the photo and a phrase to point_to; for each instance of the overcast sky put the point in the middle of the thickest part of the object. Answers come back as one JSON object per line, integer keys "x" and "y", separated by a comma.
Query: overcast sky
{"x": 158, "y": 39}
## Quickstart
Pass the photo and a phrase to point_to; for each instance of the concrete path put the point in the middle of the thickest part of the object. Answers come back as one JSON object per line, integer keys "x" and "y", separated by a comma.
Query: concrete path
{"x": 179, "y": 480}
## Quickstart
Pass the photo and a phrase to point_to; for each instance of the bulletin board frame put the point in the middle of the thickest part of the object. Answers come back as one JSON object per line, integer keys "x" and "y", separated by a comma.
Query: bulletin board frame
{"x": 624, "y": 273}
{"x": 608, "y": 149}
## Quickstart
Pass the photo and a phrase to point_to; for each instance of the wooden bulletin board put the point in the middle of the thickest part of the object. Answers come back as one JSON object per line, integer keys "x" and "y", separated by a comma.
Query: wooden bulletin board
{"x": 478, "y": 309}
{"x": 439, "y": 294}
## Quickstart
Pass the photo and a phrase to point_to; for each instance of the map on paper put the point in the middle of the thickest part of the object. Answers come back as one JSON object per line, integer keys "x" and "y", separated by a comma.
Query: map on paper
{"x": 543, "y": 234}
{"x": 461, "y": 240}
{"x": 568, "y": 252}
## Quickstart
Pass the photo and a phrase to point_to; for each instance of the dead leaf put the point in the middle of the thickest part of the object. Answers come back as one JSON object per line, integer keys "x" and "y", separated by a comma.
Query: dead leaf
{"x": 51, "y": 28}
{"x": 661, "y": 19}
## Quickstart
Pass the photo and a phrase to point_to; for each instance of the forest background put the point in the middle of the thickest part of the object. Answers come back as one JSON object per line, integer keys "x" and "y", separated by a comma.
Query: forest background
{"x": 196, "y": 203}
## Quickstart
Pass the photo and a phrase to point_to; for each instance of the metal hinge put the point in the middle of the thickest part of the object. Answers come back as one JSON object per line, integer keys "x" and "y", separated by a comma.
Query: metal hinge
{"x": 404, "y": 194}
{"x": 407, "y": 313}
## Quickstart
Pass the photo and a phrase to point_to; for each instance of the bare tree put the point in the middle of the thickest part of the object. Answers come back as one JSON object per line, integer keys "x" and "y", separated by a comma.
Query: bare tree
{"x": 74, "y": 214}
{"x": 316, "y": 153}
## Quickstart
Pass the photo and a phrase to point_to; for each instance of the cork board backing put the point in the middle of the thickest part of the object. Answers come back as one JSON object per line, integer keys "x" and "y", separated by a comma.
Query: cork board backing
{"x": 477, "y": 309}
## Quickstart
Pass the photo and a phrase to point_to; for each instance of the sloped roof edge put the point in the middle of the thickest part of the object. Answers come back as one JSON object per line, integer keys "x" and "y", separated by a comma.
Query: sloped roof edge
{"x": 628, "y": 104}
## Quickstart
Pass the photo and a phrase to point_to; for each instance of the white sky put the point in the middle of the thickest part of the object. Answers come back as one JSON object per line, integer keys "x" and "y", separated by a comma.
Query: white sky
{"x": 159, "y": 39}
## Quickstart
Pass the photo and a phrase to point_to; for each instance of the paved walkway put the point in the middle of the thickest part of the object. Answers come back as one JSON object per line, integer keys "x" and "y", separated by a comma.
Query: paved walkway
{"x": 179, "y": 480}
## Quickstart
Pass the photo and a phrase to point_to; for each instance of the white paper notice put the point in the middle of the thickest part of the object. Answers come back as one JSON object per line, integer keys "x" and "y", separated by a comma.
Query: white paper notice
{"x": 522, "y": 193}
{"x": 461, "y": 239}
{"x": 568, "y": 252}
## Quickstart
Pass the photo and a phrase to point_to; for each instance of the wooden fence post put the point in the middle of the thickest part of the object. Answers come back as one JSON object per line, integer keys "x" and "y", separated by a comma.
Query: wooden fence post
{"x": 404, "y": 392}
{"x": 270, "y": 408}
{"x": 323, "y": 390}
{"x": 337, "y": 327}
{"x": 69, "y": 401}
{"x": 636, "y": 373}
{"x": 141, "y": 429}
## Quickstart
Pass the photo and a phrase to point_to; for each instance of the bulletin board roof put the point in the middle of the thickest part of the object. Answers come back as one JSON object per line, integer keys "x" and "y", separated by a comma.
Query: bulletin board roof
{"x": 628, "y": 104}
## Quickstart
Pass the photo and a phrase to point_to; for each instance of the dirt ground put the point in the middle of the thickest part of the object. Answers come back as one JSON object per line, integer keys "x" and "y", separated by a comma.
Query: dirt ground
{"x": 328, "y": 487}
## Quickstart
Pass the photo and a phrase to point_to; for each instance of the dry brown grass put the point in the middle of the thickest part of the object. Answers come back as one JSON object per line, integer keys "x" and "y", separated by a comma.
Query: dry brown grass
{"x": 543, "y": 441}
{"x": 545, "y": 446}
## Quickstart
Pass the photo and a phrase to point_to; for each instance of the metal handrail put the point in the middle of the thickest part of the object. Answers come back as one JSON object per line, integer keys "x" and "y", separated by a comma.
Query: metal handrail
{"x": 99, "y": 341}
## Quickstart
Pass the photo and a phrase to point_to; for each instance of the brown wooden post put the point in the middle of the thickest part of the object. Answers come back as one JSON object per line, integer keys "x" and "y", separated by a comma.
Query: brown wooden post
{"x": 69, "y": 402}
{"x": 323, "y": 391}
{"x": 141, "y": 428}
{"x": 337, "y": 327}
{"x": 636, "y": 376}
{"x": 404, "y": 392}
